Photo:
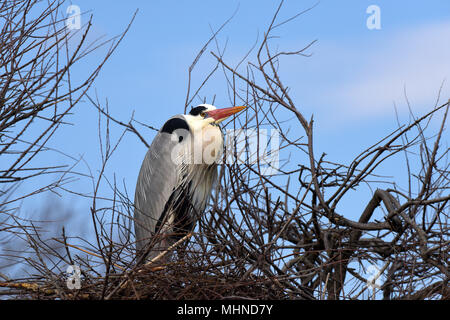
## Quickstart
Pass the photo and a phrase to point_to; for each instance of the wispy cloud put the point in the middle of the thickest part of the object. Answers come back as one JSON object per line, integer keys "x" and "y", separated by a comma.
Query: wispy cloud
{"x": 415, "y": 62}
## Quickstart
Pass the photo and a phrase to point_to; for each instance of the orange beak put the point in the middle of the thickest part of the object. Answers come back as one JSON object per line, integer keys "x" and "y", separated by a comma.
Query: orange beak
{"x": 221, "y": 114}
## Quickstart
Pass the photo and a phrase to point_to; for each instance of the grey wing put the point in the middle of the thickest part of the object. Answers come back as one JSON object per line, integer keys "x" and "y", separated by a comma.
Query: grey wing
{"x": 157, "y": 179}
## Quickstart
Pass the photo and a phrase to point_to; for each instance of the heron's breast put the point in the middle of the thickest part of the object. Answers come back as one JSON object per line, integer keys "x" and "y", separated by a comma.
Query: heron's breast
{"x": 210, "y": 144}
{"x": 202, "y": 181}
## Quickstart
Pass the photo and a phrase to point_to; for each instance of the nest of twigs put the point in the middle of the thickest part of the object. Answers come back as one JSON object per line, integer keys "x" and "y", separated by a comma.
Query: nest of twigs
{"x": 172, "y": 281}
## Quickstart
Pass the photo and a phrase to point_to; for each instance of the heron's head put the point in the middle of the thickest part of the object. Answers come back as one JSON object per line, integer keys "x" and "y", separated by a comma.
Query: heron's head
{"x": 208, "y": 114}
{"x": 207, "y": 137}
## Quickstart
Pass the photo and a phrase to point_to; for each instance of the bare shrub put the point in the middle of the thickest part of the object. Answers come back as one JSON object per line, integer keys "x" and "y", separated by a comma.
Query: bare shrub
{"x": 281, "y": 236}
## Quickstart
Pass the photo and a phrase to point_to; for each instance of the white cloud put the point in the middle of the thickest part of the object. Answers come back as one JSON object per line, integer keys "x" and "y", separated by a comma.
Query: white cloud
{"x": 416, "y": 60}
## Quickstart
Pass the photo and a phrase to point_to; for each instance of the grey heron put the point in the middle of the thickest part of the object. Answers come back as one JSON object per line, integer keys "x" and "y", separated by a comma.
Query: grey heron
{"x": 176, "y": 177}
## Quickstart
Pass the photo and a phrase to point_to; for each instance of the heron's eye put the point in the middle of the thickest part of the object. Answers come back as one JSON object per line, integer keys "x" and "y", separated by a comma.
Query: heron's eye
{"x": 203, "y": 114}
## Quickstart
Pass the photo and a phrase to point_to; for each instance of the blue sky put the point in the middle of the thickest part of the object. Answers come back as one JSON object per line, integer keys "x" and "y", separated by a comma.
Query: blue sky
{"x": 350, "y": 83}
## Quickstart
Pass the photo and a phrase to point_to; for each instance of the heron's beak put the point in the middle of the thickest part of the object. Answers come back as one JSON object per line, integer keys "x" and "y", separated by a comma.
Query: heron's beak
{"x": 221, "y": 114}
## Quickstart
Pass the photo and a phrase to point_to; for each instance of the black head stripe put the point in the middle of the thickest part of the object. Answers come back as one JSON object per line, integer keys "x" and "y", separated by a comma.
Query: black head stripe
{"x": 197, "y": 110}
{"x": 173, "y": 124}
